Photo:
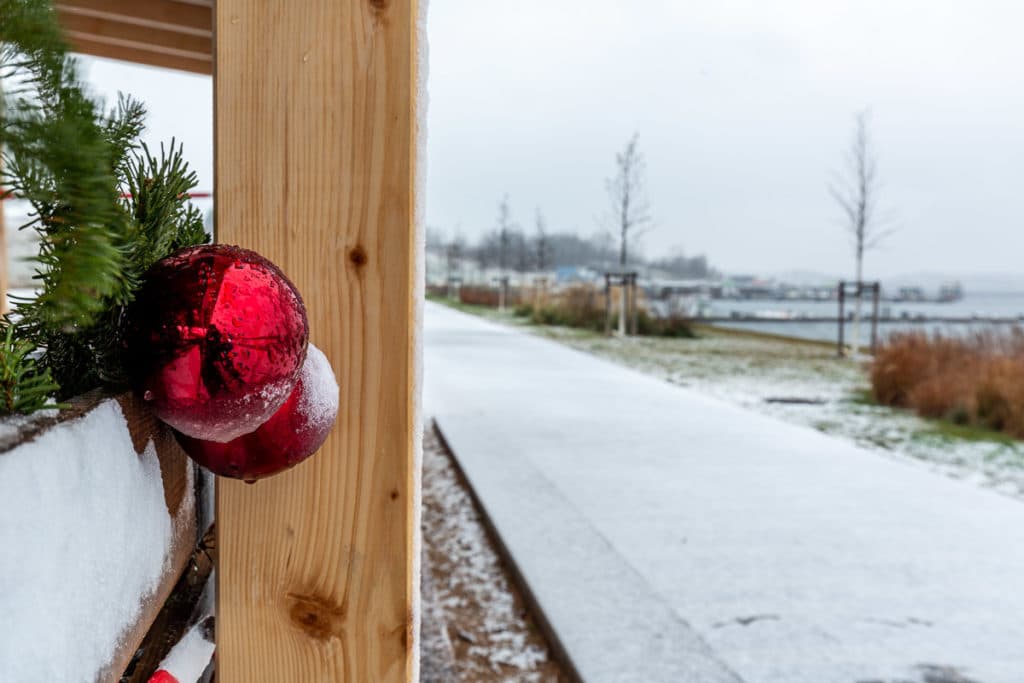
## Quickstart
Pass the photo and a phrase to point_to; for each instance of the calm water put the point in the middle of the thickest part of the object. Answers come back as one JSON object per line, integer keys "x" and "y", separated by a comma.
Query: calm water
{"x": 980, "y": 305}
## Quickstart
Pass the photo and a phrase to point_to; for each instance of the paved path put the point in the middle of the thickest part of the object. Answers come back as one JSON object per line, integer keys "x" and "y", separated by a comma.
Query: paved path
{"x": 672, "y": 537}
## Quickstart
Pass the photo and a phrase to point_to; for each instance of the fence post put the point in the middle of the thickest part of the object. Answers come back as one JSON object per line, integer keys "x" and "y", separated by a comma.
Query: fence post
{"x": 607, "y": 304}
{"x": 875, "y": 296}
{"x": 842, "y": 318}
{"x": 315, "y": 138}
{"x": 633, "y": 306}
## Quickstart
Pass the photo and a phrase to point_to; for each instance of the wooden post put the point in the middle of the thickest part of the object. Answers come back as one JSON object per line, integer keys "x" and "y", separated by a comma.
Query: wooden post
{"x": 607, "y": 304}
{"x": 633, "y": 306}
{"x": 875, "y": 296}
{"x": 315, "y": 130}
{"x": 842, "y": 319}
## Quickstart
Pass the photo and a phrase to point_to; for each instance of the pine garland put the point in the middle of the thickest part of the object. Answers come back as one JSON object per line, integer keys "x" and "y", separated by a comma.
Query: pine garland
{"x": 104, "y": 207}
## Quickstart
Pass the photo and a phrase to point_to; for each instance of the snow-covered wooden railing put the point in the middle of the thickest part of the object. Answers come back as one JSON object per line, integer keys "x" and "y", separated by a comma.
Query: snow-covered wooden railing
{"x": 101, "y": 512}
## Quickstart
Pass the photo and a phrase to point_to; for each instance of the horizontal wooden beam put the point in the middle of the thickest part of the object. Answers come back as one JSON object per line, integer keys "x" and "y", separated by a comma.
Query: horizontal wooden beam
{"x": 172, "y": 34}
{"x": 191, "y": 18}
{"x": 88, "y": 46}
{"x": 161, "y": 41}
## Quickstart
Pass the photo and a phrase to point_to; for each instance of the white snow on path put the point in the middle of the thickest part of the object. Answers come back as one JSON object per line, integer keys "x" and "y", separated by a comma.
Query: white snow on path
{"x": 83, "y": 534}
{"x": 797, "y": 557}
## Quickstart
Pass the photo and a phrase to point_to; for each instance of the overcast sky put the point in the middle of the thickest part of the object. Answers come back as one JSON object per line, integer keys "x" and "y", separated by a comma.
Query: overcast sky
{"x": 744, "y": 108}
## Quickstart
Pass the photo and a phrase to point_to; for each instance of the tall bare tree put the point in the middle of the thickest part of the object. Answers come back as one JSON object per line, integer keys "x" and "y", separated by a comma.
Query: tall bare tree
{"x": 630, "y": 213}
{"x": 856, "y": 189}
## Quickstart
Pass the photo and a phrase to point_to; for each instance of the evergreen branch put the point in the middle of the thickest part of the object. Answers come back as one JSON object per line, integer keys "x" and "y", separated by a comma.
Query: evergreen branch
{"x": 57, "y": 156}
{"x": 24, "y": 386}
{"x": 105, "y": 209}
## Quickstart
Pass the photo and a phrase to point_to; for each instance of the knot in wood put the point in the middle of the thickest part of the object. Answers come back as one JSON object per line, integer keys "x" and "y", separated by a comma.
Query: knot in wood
{"x": 318, "y": 617}
{"x": 357, "y": 255}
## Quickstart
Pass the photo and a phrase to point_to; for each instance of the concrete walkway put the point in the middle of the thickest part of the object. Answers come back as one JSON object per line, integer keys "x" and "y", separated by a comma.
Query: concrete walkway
{"x": 672, "y": 537}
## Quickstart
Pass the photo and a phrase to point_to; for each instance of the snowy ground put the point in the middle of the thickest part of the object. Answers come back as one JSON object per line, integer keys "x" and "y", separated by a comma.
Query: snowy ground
{"x": 485, "y": 623}
{"x": 795, "y": 556}
{"x": 754, "y": 371}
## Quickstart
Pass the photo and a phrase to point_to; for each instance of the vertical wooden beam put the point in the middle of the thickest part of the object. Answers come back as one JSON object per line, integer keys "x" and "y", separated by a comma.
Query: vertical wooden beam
{"x": 4, "y": 265}
{"x": 315, "y": 133}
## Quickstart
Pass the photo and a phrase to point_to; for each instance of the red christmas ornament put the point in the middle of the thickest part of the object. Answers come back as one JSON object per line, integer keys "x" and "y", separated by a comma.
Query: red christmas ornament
{"x": 216, "y": 339}
{"x": 294, "y": 433}
{"x": 162, "y": 676}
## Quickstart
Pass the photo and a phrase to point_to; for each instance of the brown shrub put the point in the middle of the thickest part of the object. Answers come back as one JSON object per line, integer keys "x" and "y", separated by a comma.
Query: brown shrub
{"x": 899, "y": 366}
{"x": 977, "y": 379}
{"x": 477, "y": 295}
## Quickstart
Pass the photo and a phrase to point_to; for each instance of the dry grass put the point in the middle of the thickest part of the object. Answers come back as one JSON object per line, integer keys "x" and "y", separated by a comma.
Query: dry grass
{"x": 584, "y": 307}
{"x": 475, "y": 295}
{"x": 977, "y": 379}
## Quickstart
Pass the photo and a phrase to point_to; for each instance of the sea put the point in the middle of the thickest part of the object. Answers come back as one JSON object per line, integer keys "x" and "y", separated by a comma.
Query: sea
{"x": 972, "y": 313}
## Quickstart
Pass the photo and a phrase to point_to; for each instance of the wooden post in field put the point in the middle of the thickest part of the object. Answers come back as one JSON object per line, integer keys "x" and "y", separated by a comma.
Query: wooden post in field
{"x": 623, "y": 302}
{"x": 607, "y": 304}
{"x": 634, "y": 306}
{"x": 840, "y": 351}
{"x": 876, "y": 292}
{"x": 315, "y": 130}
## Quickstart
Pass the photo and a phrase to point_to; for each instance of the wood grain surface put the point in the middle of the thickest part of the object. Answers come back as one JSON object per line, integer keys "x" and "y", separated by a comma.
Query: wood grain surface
{"x": 172, "y": 34}
{"x": 314, "y": 131}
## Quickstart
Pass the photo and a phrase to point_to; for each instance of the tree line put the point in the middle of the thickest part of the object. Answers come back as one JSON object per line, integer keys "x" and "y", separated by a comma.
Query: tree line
{"x": 511, "y": 249}
{"x": 508, "y": 247}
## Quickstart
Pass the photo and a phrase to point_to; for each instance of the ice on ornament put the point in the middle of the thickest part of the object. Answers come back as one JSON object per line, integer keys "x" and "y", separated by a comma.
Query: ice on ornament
{"x": 290, "y": 436}
{"x": 318, "y": 401}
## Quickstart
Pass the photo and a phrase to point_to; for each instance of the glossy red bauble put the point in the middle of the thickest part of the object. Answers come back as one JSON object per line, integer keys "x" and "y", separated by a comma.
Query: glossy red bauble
{"x": 294, "y": 433}
{"x": 216, "y": 340}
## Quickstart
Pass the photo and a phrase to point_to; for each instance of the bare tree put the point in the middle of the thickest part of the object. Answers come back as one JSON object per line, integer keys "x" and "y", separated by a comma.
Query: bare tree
{"x": 541, "y": 241}
{"x": 630, "y": 210}
{"x": 856, "y": 190}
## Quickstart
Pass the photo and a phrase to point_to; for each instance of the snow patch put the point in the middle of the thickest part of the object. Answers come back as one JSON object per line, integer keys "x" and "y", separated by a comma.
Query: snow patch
{"x": 419, "y": 221}
{"x": 319, "y": 402}
{"x": 189, "y": 658}
{"x": 84, "y": 530}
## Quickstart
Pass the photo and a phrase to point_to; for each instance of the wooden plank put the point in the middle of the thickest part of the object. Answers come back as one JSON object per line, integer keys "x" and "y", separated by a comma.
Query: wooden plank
{"x": 169, "y": 15}
{"x": 314, "y": 131}
{"x": 126, "y": 52}
{"x": 145, "y": 38}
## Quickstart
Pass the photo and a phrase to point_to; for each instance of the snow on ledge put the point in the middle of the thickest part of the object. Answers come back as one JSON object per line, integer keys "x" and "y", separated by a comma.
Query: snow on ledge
{"x": 84, "y": 531}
